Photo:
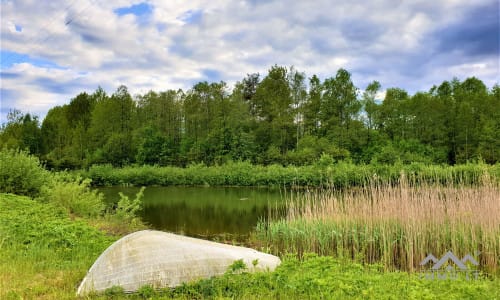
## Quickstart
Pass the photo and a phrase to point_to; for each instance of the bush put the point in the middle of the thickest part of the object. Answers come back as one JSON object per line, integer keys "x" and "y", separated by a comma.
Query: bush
{"x": 73, "y": 194}
{"x": 21, "y": 173}
{"x": 128, "y": 209}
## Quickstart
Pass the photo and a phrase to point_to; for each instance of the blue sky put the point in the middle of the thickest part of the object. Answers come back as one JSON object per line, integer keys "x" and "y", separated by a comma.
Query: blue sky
{"x": 51, "y": 51}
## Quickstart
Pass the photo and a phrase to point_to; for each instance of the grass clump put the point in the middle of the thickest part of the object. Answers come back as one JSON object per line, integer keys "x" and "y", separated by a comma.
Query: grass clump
{"x": 397, "y": 225}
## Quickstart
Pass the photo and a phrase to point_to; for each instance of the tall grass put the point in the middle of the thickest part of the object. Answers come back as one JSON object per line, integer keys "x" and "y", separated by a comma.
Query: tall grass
{"x": 396, "y": 224}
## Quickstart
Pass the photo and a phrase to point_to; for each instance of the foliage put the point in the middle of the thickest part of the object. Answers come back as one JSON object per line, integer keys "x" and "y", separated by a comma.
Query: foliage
{"x": 278, "y": 118}
{"x": 324, "y": 172}
{"x": 146, "y": 292}
{"x": 21, "y": 173}
{"x": 127, "y": 209}
{"x": 114, "y": 292}
{"x": 73, "y": 194}
{"x": 237, "y": 266}
{"x": 22, "y": 131}
{"x": 326, "y": 277}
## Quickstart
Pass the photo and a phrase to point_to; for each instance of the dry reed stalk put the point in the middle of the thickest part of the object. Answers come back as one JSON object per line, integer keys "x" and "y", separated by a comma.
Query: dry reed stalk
{"x": 400, "y": 224}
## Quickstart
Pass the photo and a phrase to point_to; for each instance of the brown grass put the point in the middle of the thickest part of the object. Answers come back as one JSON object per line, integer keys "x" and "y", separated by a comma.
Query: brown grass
{"x": 397, "y": 225}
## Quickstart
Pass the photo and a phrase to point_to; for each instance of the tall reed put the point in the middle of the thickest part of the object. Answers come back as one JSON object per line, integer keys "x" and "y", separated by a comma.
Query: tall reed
{"x": 396, "y": 224}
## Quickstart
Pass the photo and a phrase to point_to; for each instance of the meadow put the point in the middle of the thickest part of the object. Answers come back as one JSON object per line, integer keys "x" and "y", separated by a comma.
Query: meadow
{"x": 359, "y": 243}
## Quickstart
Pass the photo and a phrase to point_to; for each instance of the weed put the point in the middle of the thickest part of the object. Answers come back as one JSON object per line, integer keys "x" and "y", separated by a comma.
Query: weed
{"x": 146, "y": 292}
{"x": 237, "y": 266}
{"x": 114, "y": 291}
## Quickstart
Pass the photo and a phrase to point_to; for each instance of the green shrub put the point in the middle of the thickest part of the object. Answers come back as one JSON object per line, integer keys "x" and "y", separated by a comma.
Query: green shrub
{"x": 128, "y": 209}
{"x": 73, "y": 194}
{"x": 102, "y": 175}
{"x": 21, "y": 173}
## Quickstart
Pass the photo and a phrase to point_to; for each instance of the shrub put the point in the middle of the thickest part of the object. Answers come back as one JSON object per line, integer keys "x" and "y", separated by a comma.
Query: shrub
{"x": 73, "y": 194}
{"x": 21, "y": 173}
{"x": 128, "y": 209}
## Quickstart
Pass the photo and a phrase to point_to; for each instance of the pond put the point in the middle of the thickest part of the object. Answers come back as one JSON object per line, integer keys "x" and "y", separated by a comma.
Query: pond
{"x": 204, "y": 212}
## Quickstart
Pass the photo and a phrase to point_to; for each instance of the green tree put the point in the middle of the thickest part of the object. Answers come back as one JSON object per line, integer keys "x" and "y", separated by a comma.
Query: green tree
{"x": 393, "y": 118}
{"x": 161, "y": 114}
{"x": 338, "y": 109}
{"x": 274, "y": 111}
{"x": 312, "y": 106}
{"x": 370, "y": 106}
{"x": 22, "y": 131}
{"x": 299, "y": 93}
{"x": 55, "y": 138}
{"x": 489, "y": 138}
{"x": 111, "y": 126}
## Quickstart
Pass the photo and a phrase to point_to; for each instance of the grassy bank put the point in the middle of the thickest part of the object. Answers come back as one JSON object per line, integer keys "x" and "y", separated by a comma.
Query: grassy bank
{"x": 45, "y": 254}
{"x": 397, "y": 225}
{"x": 342, "y": 174}
{"x": 47, "y": 260}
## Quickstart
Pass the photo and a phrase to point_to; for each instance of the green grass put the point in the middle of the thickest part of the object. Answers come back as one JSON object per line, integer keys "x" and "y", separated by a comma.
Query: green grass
{"x": 325, "y": 278}
{"x": 342, "y": 174}
{"x": 44, "y": 254}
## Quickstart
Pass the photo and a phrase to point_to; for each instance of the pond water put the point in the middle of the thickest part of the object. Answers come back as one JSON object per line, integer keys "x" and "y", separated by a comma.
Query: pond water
{"x": 205, "y": 212}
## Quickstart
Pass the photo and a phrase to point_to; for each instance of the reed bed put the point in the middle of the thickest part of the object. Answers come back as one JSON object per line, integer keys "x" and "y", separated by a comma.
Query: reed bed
{"x": 395, "y": 224}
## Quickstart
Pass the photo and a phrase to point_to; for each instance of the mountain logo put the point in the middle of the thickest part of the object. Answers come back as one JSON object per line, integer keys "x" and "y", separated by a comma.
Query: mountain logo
{"x": 450, "y": 260}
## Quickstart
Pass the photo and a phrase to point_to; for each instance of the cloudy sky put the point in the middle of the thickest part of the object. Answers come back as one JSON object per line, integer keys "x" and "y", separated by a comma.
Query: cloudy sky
{"x": 53, "y": 50}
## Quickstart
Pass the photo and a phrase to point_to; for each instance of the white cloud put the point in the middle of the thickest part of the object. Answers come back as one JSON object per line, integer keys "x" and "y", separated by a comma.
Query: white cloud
{"x": 389, "y": 41}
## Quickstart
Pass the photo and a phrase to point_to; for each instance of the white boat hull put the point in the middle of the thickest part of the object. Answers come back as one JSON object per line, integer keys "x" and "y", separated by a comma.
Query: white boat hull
{"x": 161, "y": 259}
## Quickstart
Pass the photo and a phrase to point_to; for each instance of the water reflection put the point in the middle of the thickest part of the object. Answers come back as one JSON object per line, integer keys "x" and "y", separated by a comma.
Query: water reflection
{"x": 204, "y": 212}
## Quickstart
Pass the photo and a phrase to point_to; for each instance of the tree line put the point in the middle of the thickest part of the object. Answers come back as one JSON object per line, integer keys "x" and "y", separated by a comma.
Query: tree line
{"x": 284, "y": 118}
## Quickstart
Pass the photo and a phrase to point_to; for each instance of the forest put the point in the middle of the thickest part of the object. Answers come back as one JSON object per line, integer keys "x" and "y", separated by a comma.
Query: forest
{"x": 282, "y": 118}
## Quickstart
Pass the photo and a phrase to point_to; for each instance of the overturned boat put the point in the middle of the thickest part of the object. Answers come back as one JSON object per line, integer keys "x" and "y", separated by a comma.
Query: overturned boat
{"x": 161, "y": 259}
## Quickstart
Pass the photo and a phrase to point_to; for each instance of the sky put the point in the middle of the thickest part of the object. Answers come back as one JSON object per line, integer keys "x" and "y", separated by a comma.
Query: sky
{"x": 53, "y": 50}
